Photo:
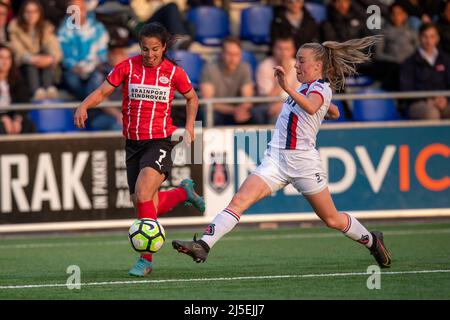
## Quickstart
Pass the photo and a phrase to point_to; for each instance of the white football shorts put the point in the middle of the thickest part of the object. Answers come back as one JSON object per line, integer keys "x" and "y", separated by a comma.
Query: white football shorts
{"x": 303, "y": 169}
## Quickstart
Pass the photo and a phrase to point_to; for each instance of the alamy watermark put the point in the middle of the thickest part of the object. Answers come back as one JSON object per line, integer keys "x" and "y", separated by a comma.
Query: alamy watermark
{"x": 373, "y": 22}
{"x": 74, "y": 20}
{"x": 374, "y": 280}
{"x": 74, "y": 280}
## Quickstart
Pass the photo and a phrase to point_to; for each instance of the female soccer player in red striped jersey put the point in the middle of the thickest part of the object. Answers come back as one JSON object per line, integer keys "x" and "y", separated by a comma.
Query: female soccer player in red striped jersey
{"x": 149, "y": 81}
{"x": 292, "y": 156}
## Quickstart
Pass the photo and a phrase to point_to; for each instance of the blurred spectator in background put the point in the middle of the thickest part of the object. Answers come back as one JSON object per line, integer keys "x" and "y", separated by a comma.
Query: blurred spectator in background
{"x": 55, "y": 11}
{"x": 427, "y": 69}
{"x": 294, "y": 19}
{"x": 84, "y": 47}
{"x": 430, "y": 109}
{"x": 110, "y": 118}
{"x": 164, "y": 12}
{"x": 36, "y": 49}
{"x": 398, "y": 43}
{"x": 4, "y": 9}
{"x": 421, "y": 11}
{"x": 229, "y": 77}
{"x": 10, "y": 10}
{"x": 344, "y": 23}
{"x": 444, "y": 28}
{"x": 399, "y": 40}
{"x": 12, "y": 90}
{"x": 283, "y": 53}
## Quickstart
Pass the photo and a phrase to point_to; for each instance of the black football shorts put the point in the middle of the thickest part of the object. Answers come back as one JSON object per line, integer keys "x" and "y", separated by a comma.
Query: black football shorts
{"x": 154, "y": 153}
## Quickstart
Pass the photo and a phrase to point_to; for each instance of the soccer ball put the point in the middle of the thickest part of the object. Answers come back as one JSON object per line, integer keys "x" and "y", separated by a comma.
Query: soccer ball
{"x": 146, "y": 235}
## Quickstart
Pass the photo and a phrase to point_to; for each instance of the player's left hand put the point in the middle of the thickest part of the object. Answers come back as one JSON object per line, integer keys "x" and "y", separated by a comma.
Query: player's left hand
{"x": 189, "y": 135}
{"x": 80, "y": 117}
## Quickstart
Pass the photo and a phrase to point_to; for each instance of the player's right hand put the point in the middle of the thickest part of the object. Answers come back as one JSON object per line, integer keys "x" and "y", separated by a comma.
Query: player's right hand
{"x": 80, "y": 117}
{"x": 280, "y": 75}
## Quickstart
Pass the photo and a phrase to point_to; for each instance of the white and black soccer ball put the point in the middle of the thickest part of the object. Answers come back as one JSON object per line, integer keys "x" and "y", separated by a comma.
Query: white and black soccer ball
{"x": 146, "y": 235}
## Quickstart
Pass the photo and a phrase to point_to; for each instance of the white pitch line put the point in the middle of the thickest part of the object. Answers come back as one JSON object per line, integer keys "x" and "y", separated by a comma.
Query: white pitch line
{"x": 231, "y": 238}
{"x": 63, "y": 244}
{"x": 287, "y": 276}
{"x": 333, "y": 235}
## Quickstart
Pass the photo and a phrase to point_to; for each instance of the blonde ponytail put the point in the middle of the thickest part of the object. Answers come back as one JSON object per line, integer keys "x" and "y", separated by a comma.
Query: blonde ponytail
{"x": 340, "y": 58}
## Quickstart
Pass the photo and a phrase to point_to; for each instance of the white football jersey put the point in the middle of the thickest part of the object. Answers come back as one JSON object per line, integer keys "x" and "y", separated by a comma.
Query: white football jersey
{"x": 295, "y": 128}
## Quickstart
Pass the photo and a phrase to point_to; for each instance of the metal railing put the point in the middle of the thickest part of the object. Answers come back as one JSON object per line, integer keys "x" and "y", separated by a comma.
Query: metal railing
{"x": 209, "y": 103}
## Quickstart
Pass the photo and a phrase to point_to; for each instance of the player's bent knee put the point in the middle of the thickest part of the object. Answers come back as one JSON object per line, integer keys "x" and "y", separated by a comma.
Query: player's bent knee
{"x": 142, "y": 196}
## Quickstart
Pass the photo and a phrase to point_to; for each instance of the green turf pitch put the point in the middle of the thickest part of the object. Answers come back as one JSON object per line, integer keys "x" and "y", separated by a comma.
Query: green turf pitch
{"x": 294, "y": 263}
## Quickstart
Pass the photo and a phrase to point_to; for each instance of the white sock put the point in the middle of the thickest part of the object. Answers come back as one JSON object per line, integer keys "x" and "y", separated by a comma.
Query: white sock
{"x": 356, "y": 231}
{"x": 223, "y": 223}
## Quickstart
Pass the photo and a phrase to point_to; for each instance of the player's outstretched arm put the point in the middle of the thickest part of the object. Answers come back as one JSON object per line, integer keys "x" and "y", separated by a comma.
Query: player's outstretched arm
{"x": 91, "y": 101}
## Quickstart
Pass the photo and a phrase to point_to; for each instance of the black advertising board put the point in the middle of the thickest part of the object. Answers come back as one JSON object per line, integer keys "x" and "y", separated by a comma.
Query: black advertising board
{"x": 76, "y": 177}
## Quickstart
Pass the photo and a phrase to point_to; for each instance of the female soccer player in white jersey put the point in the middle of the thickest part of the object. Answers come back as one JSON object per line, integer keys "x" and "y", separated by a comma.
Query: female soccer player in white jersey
{"x": 149, "y": 81}
{"x": 292, "y": 157}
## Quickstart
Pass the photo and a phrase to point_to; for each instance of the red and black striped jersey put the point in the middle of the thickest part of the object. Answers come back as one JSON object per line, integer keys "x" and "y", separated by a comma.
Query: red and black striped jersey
{"x": 147, "y": 96}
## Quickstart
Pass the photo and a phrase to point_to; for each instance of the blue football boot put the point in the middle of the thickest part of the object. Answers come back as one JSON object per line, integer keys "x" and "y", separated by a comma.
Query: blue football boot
{"x": 141, "y": 268}
{"x": 192, "y": 197}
